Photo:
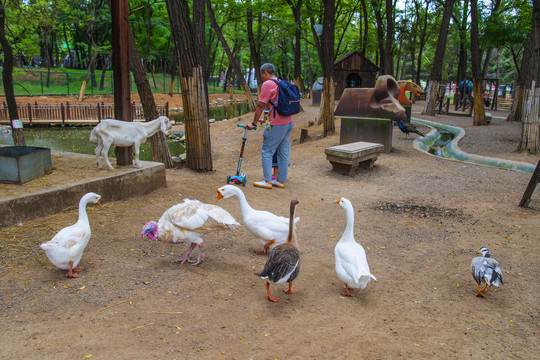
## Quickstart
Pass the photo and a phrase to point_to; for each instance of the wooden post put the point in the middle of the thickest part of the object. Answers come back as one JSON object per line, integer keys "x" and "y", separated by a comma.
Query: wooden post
{"x": 167, "y": 109}
{"x": 30, "y": 113}
{"x": 120, "y": 62}
{"x": 98, "y": 113}
{"x": 303, "y": 135}
{"x": 535, "y": 179}
{"x": 63, "y": 113}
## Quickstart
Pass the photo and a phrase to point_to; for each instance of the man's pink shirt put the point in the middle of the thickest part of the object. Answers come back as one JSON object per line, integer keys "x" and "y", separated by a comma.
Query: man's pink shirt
{"x": 270, "y": 91}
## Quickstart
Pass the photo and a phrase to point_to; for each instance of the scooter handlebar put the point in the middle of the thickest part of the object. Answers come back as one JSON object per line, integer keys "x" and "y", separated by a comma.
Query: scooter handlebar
{"x": 242, "y": 125}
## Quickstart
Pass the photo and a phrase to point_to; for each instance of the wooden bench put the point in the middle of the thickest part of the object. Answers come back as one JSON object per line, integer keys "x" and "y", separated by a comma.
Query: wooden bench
{"x": 345, "y": 158}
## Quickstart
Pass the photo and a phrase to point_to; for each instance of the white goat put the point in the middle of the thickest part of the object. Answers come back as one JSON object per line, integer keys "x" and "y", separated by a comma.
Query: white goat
{"x": 125, "y": 133}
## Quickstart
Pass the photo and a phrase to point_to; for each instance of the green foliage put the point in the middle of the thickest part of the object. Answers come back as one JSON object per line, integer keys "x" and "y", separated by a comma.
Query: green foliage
{"x": 274, "y": 27}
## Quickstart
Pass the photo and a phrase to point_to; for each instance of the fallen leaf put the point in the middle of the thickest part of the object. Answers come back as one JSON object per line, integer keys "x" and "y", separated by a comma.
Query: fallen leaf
{"x": 82, "y": 287}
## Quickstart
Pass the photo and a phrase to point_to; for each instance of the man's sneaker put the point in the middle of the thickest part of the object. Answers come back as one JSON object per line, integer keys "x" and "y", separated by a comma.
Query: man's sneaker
{"x": 263, "y": 184}
{"x": 278, "y": 184}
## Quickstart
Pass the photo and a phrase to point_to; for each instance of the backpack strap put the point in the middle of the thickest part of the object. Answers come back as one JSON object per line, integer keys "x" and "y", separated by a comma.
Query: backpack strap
{"x": 277, "y": 98}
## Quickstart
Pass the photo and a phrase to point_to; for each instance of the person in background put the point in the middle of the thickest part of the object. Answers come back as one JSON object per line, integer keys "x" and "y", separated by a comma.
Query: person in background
{"x": 277, "y": 133}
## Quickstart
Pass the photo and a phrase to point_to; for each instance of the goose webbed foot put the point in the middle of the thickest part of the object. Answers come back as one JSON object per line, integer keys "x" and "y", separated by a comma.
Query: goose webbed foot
{"x": 290, "y": 290}
{"x": 347, "y": 292}
{"x": 70, "y": 273}
{"x": 270, "y": 297}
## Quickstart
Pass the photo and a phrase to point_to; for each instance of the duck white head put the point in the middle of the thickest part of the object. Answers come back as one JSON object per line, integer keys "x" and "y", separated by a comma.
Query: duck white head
{"x": 91, "y": 197}
{"x": 150, "y": 229}
{"x": 227, "y": 191}
{"x": 484, "y": 251}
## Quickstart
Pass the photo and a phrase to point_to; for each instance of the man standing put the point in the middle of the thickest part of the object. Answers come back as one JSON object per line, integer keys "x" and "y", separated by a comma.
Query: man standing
{"x": 276, "y": 135}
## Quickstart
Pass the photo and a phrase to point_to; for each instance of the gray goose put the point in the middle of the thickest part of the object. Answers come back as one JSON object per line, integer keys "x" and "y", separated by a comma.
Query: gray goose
{"x": 484, "y": 268}
{"x": 283, "y": 263}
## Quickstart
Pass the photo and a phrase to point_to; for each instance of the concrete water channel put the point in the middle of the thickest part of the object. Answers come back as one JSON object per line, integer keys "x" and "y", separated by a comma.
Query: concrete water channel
{"x": 442, "y": 141}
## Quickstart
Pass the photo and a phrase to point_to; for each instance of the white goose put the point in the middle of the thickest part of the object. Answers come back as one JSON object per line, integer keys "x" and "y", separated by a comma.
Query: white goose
{"x": 65, "y": 249}
{"x": 272, "y": 230}
{"x": 351, "y": 262}
{"x": 189, "y": 221}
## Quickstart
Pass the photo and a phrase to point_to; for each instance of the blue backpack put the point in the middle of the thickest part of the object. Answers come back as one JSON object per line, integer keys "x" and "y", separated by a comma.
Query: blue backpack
{"x": 288, "y": 99}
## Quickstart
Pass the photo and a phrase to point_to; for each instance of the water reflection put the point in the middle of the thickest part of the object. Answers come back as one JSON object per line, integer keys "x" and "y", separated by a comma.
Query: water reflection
{"x": 76, "y": 139}
{"x": 218, "y": 112}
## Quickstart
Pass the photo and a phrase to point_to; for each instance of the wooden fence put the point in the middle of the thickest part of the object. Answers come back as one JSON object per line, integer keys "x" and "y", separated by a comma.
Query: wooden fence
{"x": 73, "y": 114}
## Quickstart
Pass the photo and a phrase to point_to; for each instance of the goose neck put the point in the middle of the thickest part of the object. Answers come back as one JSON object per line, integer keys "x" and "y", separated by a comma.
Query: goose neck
{"x": 83, "y": 216}
{"x": 349, "y": 228}
{"x": 244, "y": 205}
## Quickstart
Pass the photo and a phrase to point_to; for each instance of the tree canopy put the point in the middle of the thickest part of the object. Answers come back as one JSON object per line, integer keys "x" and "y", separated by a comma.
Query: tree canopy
{"x": 399, "y": 36}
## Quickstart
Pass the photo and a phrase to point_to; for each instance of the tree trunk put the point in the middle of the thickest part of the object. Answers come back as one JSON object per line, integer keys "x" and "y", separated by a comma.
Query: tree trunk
{"x": 365, "y": 23}
{"x": 328, "y": 101}
{"x": 191, "y": 76}
{"x": 104, "y": 71}
{"x": 325, "y": 47}
{"x": 7, "y": 80}
{"x": 380, "y": 35}
{"x": 199, "y": 31}
{"x": 254, "y": 45}
{"x": 296, "y": 10}
{"x": 530, "y": 131}
{"x": 159, "y": 141}
{"x": 232, "y": 60}
{"x": 310, "y": 72}
{"x": 436, "y": 70}
{"x": 422, "y": 43}
{"x": 530, "y": 67}
{"x": 476, "y": 59}
{"x": 389, "y": 59}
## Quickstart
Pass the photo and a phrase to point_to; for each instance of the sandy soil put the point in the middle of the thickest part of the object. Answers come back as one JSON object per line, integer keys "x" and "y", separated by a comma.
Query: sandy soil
{"x": 419, "y": 217}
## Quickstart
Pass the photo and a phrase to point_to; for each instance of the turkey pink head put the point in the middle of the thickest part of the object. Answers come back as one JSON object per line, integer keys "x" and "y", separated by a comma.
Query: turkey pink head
{"x": 150, "y": 229}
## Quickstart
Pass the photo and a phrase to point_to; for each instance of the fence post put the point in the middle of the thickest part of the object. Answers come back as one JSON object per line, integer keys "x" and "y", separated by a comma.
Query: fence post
{"x": 68, "y": 110}
{"x": 98, "y": 113}
{"x": 30, "y": 113}
{"x": 167, "y": 109}
{"x": 133, "y": 111}
{"x": 63, "y": 112}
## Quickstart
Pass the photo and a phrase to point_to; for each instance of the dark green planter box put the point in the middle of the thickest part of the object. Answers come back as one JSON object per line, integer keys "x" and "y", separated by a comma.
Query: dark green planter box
{"x": 20, "y": 164}
{"x": 375, "y": 130}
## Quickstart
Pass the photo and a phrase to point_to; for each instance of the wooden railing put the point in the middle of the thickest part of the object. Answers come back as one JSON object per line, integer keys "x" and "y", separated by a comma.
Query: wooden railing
{"x": 73, "y": 114}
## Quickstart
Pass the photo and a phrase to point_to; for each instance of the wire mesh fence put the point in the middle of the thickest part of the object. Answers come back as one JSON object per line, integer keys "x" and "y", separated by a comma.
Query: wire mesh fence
{"x": 39, "y": 82}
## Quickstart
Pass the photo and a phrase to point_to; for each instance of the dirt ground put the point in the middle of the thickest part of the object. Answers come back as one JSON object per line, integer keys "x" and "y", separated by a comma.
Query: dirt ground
{"x": 419, "y": 217}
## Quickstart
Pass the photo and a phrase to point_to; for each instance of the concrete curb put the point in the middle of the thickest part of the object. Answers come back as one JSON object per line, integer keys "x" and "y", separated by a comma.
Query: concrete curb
{"x": 452, "y": 151}
{"x": 131, "y": 182}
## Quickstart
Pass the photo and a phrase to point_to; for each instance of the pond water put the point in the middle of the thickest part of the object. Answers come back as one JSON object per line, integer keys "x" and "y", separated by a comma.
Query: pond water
{"x": 218, "y": 112}
{"x": 445, "y": 138}
{"x": 76, "y": 139}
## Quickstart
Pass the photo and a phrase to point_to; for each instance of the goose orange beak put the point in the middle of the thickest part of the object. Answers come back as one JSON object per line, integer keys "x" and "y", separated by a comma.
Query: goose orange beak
{"x": 337, "y": 201}
{"x": 219, "y": 195}
{"x": 99, "y": 203}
